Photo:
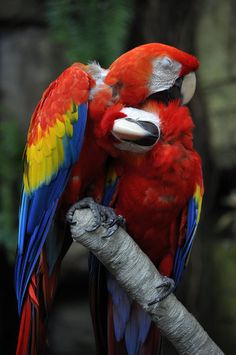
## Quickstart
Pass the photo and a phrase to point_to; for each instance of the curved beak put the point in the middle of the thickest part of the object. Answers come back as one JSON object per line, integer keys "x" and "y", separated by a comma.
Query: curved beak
{"x": 188, "y": 87}
{"x": 140, "y": 132}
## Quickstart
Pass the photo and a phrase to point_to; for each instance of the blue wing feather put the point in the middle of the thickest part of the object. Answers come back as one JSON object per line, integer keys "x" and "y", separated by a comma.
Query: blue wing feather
{"x": 22, "y": 221}
{"x": 183, "y": 251}
{"x": 34, "y": 249}
{"x": 38, "y": 208}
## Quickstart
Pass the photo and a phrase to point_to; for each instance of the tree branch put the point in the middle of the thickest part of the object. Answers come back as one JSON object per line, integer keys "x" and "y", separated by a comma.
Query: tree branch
{"x": 139, "y": 277}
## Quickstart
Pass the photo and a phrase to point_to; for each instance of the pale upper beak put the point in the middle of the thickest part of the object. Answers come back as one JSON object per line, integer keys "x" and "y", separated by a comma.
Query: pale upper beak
{"x": 139, "y": 128}
{"x": 188, "y": 87}
{"x": 139, "y": 132}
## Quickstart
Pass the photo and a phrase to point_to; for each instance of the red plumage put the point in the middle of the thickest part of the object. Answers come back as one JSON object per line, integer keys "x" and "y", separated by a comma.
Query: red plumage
{"x": 154, "y": 188}
{"x": 152, "y": 193}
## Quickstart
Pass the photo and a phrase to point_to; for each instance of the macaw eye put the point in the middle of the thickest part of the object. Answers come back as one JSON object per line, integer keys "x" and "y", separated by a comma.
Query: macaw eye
{"x": 166, "y": 63}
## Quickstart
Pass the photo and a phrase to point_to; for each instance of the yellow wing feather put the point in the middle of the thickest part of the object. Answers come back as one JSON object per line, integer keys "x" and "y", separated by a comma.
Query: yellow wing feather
{"x": 44, "y": 157}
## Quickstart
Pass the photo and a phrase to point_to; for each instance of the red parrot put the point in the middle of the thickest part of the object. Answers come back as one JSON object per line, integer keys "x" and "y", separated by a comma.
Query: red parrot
{"x": 86, "y": 140}
{"x": 158, "y": 190}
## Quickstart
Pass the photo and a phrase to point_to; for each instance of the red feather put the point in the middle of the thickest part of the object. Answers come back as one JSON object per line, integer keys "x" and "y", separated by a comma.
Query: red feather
{"x": 153, "y": 189}
{"x": 24, "y": 331}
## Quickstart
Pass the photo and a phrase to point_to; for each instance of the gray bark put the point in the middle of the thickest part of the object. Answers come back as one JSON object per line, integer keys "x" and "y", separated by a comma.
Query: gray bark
{"x": 139, "y": 277}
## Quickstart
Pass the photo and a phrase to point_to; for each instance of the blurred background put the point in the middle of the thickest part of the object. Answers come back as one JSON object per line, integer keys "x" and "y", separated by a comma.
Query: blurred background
{"x": 39, "y": 39}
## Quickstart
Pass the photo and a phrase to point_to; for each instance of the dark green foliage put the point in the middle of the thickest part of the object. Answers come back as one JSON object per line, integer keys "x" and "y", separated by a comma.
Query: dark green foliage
{"x": 11, "y": 147}
{"x": 90, "y": 30}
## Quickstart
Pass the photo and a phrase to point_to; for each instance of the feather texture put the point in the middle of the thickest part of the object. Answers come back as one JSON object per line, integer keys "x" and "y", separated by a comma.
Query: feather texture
{"x": 39, "y": 204}
{"x": 150, "y": 190}
{"x": 187, "y": 238}
{"x": 54, "y": 143}
{"x": 159, "y": 194}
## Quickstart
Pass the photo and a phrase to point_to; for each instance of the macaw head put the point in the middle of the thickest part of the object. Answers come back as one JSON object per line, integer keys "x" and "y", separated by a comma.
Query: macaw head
{"x": 155, "y": 71}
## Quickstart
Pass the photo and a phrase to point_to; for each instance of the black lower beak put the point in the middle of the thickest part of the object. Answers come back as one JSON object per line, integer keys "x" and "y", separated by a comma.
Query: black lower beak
{"x": 138, "y": 132}
{"x": 151, "y": 136}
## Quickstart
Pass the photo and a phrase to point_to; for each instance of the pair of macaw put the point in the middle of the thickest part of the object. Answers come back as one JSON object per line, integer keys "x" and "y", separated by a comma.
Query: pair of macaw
{"x": 122, "y": 136}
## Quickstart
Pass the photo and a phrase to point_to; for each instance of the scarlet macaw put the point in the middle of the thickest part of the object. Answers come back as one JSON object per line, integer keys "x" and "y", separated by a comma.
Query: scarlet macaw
{"x": 85, "y": 139}
{"x": 158, "y": 188}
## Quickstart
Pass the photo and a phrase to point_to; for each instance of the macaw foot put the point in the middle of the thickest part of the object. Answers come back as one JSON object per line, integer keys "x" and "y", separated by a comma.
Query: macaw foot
{"x": 103, "y": 216}
{"x": 167, "y": 287}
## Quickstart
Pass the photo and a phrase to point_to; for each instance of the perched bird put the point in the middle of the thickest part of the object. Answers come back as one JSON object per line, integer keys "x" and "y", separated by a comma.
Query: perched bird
{"x": 122, "y": 137}
{"x": 158, "y": 188}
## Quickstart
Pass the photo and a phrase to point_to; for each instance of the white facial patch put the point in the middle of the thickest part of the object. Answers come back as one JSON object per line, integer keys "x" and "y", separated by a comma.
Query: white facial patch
{"x": 99, "y": 74}
{"x": 164, "y": 74}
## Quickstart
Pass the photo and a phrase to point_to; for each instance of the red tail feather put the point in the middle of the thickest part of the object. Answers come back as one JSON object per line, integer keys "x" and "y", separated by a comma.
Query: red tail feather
{"x": 37, "y": 304}
{"x": 24, "y": 332}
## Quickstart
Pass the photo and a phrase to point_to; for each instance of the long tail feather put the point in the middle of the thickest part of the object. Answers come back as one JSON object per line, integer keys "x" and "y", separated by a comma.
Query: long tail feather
{"x": 36, "y": 307}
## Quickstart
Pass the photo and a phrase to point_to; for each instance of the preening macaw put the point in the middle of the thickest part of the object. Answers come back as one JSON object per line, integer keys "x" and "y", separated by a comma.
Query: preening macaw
{"x": 123, "y": 137}
{"x": 159, "y": 191}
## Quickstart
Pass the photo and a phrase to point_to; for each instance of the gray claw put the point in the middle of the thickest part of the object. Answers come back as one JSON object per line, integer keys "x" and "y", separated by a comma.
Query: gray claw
{"x": 112, "y": 222}
{"x": 93, "y": 227}
{"x": 110, "y": 231}
{"x": 167, "y": 287}
{"x": 94, "y": 207}
{"x": 69, "y": 217}
{"x": 102, "y": 215}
